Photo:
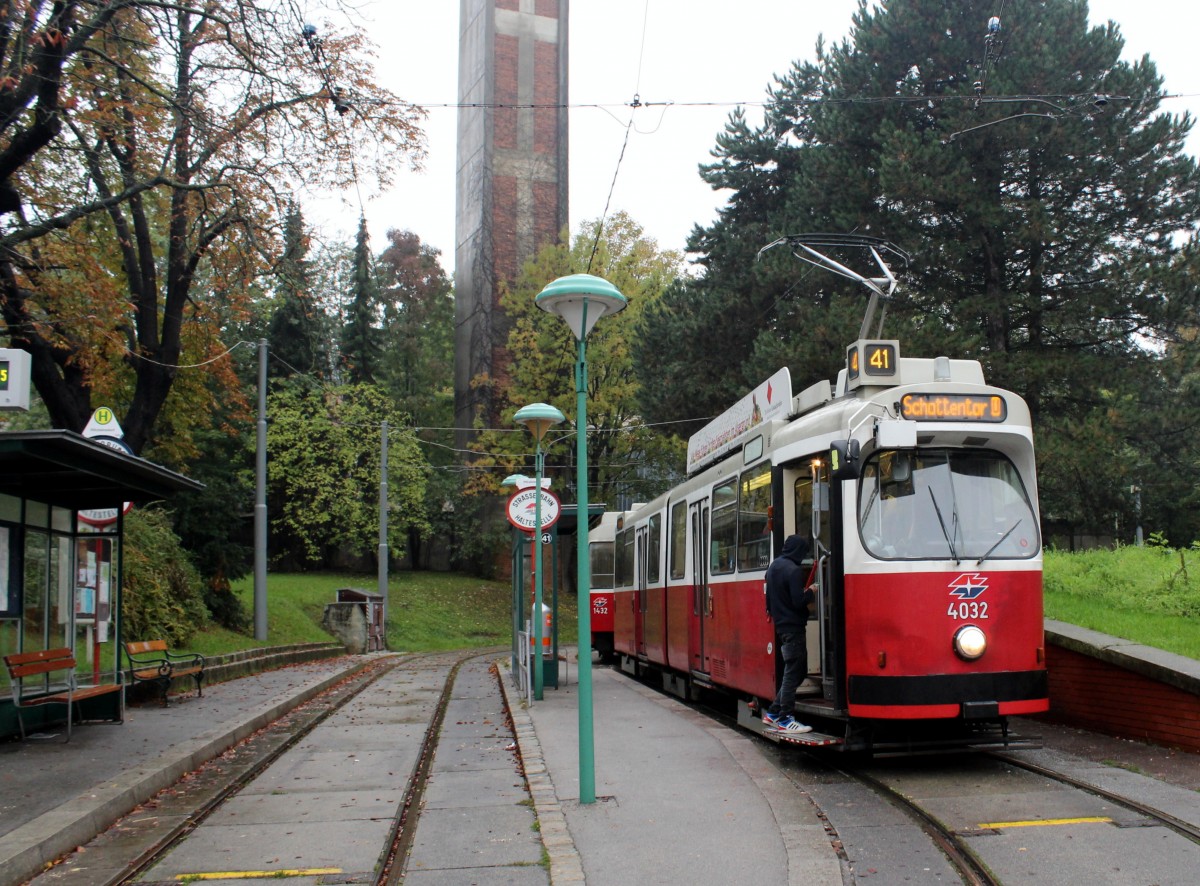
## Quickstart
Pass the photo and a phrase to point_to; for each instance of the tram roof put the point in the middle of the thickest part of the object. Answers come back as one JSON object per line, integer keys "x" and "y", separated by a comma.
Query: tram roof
{"x": 68, "y": 470}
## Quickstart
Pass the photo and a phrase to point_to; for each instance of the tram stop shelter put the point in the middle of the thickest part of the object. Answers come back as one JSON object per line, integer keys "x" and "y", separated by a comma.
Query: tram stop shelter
{"x": 62, "y": 503}
{"x": 553, "y": 569}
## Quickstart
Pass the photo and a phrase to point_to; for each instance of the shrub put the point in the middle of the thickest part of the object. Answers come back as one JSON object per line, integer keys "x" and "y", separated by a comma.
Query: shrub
{"x": 163, "y": 594}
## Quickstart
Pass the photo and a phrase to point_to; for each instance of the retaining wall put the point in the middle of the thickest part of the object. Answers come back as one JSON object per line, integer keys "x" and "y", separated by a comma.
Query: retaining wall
{"x": 1122, "y": 688}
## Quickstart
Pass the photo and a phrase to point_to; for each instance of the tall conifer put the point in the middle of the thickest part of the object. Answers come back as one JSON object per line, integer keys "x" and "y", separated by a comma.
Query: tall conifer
{"x": 1041, "y": 188}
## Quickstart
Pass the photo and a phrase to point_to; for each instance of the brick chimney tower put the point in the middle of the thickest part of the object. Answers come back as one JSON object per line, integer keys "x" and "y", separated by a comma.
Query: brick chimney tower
{"x": 512, "y": 173}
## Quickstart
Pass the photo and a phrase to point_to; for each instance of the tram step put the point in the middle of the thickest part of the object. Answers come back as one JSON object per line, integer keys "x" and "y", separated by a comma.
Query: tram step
{"x": 808, "y": 739}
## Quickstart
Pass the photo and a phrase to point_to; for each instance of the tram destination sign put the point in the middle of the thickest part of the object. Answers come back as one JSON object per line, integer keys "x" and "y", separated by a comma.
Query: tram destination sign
{"x": 953, "y": 407}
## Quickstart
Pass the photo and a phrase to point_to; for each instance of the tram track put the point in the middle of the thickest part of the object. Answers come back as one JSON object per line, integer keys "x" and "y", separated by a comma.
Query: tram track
{"x": 971, "y": 849}
{"x": 133, "y": 845}
{"x": 969, "y": 867}
{"x": 978, "y": 854}
{"x": 1187, "y": 830}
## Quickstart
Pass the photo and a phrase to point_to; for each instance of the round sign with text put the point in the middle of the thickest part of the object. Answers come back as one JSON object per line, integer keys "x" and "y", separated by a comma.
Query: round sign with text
{"x": 106, "y": 516}
{"x": 522, "y": 509}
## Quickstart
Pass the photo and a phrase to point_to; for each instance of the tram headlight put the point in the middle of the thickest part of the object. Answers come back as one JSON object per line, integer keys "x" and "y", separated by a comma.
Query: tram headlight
{"x": 970, "y": 642}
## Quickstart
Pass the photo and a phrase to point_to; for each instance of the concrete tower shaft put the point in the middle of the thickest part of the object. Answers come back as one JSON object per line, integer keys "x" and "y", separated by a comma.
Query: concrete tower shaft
{"x": 511, "y": 175}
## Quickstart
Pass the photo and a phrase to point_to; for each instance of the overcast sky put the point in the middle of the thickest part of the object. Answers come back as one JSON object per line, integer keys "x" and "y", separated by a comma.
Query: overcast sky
{"x": 682, "y": 51}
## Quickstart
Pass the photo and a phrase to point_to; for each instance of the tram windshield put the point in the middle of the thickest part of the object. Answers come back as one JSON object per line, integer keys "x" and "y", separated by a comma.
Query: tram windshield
{"x": 945, "y": 504}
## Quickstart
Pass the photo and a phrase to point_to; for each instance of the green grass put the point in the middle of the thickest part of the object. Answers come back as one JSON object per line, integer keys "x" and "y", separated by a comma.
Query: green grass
{"x": 1149, "y": 595}
{"x": 427, "y": 611}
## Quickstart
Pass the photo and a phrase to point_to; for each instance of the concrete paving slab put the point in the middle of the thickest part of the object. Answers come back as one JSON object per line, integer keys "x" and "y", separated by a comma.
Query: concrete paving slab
{"x": 341, "y": 769}
{"x": 345, "y": 845}
{"x": 331, "y": 805}
{"x": 475, "y": 836}
{"x": 475, "y": 787}
{"x": 510, "y": 875}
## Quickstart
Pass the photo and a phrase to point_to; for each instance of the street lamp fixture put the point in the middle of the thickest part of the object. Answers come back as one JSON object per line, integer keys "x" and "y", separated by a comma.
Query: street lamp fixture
{"x": 539, "y": 418}
{"x": 581, "y": 300}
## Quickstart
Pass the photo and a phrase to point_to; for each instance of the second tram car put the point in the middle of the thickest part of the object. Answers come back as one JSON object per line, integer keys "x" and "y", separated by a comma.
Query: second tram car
{"x": 914, "y": 481}
{"x": 602, "y": 561}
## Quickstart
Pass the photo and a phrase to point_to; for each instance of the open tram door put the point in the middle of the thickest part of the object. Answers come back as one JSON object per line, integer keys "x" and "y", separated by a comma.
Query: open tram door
{"x": 811, "y": 508}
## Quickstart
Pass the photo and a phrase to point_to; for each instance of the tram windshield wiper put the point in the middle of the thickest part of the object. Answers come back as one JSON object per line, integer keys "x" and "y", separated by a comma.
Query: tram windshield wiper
{"x": 941, "y": 522}
{"x": 999, "y": 542}
{"x": 866, "y": 509}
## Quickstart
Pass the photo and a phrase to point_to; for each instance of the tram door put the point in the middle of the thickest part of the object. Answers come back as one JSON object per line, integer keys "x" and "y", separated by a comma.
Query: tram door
{"x": 810, "y": 510}
{"x": 639, "y": 592}
{"x": 701, "y": 592}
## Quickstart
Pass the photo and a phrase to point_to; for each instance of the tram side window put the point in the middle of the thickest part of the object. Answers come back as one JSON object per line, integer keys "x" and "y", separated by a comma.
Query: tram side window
{"x": 654, "y": 554}
{"x": 601, "y": 556}
{"x": 678, "y": 540}
{"x": 754, "y": 540}
{"x": 624, "y": 576}
{"x": 723, "y": 534}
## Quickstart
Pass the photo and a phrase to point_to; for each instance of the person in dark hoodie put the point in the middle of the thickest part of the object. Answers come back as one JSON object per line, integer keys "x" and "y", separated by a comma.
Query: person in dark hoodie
{"x": 787, "y": 603}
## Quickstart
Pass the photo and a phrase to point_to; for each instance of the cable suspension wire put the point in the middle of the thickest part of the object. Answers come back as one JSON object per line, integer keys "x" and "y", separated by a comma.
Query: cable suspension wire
{"x": 638, "y": 102}
{"x": 634, "y": 105}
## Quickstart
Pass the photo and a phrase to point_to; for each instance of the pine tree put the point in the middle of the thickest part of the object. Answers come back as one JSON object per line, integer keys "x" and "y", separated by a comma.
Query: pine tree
{"x": 361, "y": 334}
{"x": 1031, "y": 174}
{"x": 296, "y": 334}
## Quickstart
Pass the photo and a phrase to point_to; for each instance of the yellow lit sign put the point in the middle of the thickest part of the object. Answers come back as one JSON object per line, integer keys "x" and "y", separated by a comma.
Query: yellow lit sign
{"x": 953, "y": 407}
{"x": 879, "y": 359}
{"x": 15, "y": 366}
{"x": 872, "y": 359}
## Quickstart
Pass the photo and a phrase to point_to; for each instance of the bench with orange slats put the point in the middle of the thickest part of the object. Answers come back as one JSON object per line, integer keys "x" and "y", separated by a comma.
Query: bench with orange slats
{"x": 150, "y": 661}
{"x": 32, "y": 675}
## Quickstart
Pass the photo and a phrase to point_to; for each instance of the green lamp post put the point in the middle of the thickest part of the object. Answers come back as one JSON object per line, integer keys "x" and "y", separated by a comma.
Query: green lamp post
{"x": 539, "y": 418}
{"x": 581, "y": 300}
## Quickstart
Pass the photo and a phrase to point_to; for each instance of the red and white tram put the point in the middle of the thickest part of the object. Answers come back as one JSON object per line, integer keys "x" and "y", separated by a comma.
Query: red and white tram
{"x": 914, "y": 480}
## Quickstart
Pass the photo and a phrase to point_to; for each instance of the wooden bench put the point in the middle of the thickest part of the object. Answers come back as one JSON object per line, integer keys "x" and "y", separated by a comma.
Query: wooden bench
{"x": 150, "y": 661}
{"x": 35, "y": 668}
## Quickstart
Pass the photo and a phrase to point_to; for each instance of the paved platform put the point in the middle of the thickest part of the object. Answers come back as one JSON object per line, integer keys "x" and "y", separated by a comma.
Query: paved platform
{"x": 55, "y": 795}
{"x": 670, "y": 785}
{"x": 680, "y": 799}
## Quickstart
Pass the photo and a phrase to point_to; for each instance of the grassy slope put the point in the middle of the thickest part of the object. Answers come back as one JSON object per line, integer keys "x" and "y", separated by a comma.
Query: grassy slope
{"x": 426, "y": 611}
{"x": 1148, "y": 595}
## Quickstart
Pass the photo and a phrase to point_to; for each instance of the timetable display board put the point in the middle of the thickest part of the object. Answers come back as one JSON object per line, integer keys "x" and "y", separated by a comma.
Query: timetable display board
{"x": 14, "y": 378}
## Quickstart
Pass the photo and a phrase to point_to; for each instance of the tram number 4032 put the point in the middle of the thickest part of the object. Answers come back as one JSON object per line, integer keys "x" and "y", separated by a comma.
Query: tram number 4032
{"x": 972, "y": 609}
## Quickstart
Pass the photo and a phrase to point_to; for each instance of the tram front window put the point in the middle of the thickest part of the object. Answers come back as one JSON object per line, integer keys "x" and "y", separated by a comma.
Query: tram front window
{"x": 945, "y": 504}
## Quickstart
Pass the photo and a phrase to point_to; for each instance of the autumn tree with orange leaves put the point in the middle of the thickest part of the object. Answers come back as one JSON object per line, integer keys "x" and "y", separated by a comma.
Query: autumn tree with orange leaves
{"x": 147, "y": 154}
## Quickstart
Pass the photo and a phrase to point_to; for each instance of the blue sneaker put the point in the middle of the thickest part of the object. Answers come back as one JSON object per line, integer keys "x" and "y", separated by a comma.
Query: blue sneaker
{"x": 769, "y": 719}
{"x": 791, "y": 726}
